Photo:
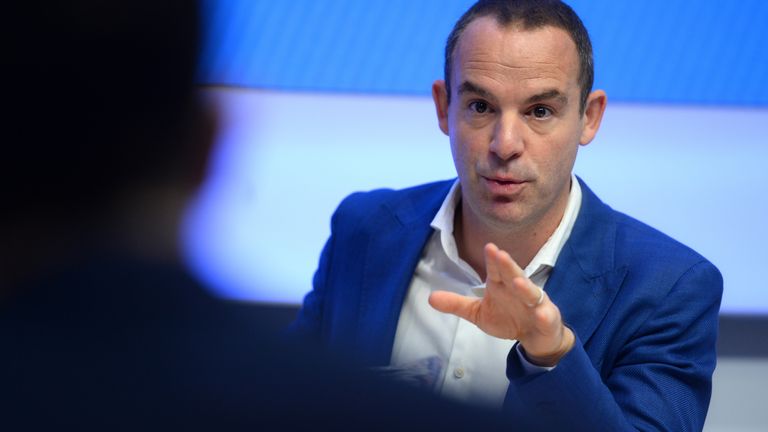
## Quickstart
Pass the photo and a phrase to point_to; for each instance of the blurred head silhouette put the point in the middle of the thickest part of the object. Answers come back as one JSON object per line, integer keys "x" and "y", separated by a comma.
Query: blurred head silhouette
{"x": 105, "y": 128}
{"x": 107, "y": 139}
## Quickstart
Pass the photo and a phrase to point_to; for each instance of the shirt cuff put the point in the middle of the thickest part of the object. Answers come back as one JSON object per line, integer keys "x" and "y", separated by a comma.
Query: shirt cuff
{"x": 528, "y": 367}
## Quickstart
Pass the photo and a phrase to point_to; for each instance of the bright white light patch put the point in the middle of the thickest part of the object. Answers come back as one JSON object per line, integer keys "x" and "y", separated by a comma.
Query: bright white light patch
{"x": 283, "y": 161}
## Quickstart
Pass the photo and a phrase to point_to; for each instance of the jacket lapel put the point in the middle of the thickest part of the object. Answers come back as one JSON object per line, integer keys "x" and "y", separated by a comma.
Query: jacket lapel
{"x": 585, "y": 280}
{"x": 394, "y": 249}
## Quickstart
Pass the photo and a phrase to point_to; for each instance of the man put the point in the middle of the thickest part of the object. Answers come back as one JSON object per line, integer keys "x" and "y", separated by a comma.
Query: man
{"x": 614, "y": 322}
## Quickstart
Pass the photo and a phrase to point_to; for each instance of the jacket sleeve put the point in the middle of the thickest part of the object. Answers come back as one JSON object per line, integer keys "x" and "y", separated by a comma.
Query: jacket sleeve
{"x": 307, "y": 327}
{"x": 318, "y": 312}
{"x": 660, "y": 380}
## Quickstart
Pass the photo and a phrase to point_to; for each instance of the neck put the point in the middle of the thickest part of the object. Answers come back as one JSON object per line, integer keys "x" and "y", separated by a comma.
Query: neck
{"x": 142, "y": 225}
{"x": 33, "y": 246}
{"x": 521, "y": 242}
{"x": 147, "y": 224}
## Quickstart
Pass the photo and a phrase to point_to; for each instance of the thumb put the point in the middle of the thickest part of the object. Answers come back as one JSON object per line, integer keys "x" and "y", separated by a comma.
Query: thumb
{"x": 452, "y": 303}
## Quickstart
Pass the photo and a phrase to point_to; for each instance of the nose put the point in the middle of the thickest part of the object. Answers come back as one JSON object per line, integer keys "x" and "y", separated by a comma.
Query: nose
{"x": 507, "y": 142}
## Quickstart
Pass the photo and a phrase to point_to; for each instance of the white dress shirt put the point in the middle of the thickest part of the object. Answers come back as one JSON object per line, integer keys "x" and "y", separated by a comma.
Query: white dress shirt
{"x": 451, "y": 355}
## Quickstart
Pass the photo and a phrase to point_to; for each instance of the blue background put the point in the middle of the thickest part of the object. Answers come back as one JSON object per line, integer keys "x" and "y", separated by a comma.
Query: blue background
{"x": 660, "y": 51}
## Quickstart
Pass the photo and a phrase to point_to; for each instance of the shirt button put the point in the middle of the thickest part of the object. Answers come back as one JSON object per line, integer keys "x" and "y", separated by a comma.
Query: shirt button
{"x": 458, "y": 373}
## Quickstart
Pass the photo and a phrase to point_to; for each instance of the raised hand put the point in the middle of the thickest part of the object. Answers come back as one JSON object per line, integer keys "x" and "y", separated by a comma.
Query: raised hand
{"x": 513, "y": 307}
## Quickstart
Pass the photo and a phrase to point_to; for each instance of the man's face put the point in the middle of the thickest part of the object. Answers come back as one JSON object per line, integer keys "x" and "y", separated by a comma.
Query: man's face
{"x": 514, "y": 123}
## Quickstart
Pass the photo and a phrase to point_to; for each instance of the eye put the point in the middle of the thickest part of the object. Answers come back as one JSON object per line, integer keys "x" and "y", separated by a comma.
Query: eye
{"x": 479, "y": 107}
{"x": 541, "y": 112}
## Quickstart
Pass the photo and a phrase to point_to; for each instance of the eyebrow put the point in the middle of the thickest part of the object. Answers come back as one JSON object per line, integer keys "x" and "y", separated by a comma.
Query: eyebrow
{"x": 470, "y": 87}
{"x": 548, "y": 95}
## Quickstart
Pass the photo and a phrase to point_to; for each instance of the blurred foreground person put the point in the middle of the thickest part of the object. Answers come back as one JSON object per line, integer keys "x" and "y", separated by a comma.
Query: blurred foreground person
{"x": 101, "y": 326}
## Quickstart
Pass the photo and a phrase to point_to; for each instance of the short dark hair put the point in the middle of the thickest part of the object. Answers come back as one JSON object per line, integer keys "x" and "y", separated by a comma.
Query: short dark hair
{"x": 531, "y": 14}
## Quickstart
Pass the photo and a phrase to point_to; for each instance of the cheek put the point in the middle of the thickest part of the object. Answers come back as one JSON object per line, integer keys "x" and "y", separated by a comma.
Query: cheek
{"x": 459, "y": 154}
{"x": 555, "y": 155}
{"x": 461, "y": 147}
{"x": 559, "y": 164}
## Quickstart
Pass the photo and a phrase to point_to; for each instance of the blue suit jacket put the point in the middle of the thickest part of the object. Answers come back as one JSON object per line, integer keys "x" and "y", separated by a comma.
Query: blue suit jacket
{"x": 644, "y": 309}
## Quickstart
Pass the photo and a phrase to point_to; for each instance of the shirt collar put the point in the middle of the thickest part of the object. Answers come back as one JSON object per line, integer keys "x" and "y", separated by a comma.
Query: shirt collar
{"x": 443, "y": 223}
{"x": 546, "y": 256}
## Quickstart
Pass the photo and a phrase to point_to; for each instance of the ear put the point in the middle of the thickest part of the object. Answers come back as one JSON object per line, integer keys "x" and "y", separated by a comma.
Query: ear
{"x": 440, "y": 96}
{"x": 593, "y": 115}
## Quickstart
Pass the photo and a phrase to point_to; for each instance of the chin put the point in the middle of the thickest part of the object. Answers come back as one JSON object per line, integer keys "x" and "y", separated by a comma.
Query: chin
{"x": 505, "y": 217}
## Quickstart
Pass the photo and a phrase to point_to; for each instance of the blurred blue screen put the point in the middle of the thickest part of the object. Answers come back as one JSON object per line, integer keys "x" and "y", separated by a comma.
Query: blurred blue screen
{"x": 681, "y": 51}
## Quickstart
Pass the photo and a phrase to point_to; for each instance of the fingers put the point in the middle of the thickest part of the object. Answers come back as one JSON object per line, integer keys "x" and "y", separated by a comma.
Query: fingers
{"x": 502, "y": 269}
{"x": 531, "y": 294}
{"x": 499, "y": 265}
{"x": 455, "y": 304}
{"x": 493, "y": 274}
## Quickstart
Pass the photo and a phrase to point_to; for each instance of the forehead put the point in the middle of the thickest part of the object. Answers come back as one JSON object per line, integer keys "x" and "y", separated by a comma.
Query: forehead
{"x": 514, "y": 55}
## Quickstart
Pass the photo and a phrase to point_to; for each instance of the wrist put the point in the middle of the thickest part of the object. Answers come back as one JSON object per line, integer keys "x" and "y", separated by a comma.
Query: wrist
{"x": 552, "y": 359}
